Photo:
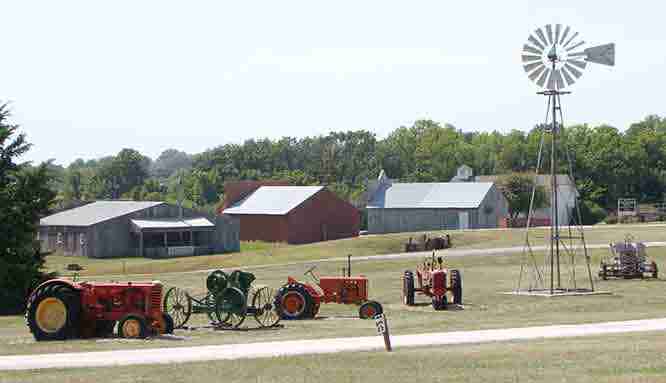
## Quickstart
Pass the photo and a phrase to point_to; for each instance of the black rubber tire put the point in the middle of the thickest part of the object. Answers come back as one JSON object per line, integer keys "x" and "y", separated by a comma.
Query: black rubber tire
{"x": 307, "y": 311}
{"x": 408, "y": 288}
{"x": 143, "y": 330}
{"x": 374, "y": 305}
{"x": 168, "y": 321}
{"x": 439, "y": 303}
{"x": 71, "y": 300}
{"x": 456, "y": 287}
{"x": 104, "y": 328}
{"x": 655, "y": 270}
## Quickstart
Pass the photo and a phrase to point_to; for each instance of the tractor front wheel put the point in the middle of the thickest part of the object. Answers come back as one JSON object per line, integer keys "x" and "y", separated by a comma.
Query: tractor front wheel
{"x": 408, "y": 288}
{"x": 369, "y": 309}
{"x": 439, "y": 303}
{"x": 133, "y": 326}
{"x": 294, "y": 302}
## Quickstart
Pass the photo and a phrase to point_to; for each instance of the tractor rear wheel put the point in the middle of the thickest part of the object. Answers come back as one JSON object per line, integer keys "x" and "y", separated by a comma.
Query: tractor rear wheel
{"x": 439, "y": 303}
{"x": 456, "y": 287}
{"x": 133, "y": 326}
{"x": 369, "y": 309}
{"x": 53, "y": 313}
{"x": 294, "y": 302}
{"x": 408, "y": 288}
{"x": 178, "y": 305}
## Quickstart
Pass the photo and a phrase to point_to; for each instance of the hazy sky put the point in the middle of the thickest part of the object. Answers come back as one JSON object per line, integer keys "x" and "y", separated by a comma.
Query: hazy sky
{"x": 88, "y": 78}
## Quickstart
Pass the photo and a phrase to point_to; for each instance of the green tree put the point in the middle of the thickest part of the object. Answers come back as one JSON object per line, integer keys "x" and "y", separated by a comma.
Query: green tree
{"x": 517, "y": 189}
{"x": 24, "y": 198}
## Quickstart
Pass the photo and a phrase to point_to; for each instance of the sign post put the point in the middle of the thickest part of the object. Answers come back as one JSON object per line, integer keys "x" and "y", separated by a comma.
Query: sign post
{"x": 382, "y": 329}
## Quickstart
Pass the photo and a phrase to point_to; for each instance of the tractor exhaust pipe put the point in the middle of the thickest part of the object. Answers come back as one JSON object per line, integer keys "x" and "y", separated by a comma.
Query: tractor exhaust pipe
{"x": 349, "y": 265}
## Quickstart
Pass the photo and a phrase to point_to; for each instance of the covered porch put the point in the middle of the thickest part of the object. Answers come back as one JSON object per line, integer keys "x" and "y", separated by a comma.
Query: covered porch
{"x": 162, "y": 238}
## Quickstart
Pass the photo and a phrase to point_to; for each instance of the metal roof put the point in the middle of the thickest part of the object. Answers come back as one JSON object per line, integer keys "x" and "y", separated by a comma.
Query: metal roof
{"x": 172, "y": 223}
{"x": 95, "y": 212}
{"x": 273, "y": 200}
{"x": 441, "y": 195}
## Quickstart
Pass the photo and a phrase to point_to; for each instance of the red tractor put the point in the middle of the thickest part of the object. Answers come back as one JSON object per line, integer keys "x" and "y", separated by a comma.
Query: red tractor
{"x": 298, "y": 300}
{"x": 61, "y": 309}
{"x": 435, "y": 281}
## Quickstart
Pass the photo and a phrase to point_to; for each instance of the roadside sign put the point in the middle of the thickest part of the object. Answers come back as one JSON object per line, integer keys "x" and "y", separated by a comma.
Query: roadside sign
{"x": 382, "y": 329}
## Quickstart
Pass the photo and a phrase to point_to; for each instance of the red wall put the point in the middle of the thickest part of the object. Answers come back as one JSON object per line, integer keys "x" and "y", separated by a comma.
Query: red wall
{"x": 323, "y": 212}
{"x": 270, "y": 228}
{"x": 305, "y": 223}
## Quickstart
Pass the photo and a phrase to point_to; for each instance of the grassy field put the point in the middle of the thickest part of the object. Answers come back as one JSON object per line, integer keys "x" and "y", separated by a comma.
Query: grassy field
{"x": 617, "y": 358}
{"x": 259, "y": 253}
{"x": 484, "y": 278}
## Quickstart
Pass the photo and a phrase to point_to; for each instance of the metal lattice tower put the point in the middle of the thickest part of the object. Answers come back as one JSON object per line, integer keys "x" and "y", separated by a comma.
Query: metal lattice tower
{"x": 555, "y": 59}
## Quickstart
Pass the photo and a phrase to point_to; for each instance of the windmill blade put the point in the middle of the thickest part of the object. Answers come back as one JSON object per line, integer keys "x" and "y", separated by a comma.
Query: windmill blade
{"x": 564, "y": 35}
{"x": 530, "y": 49}
{"x": 542, "y": 78}
{"x": 533, "y": 76}
{"x": 579, "y": 64}
{"x": 557, "y": 32}
{"x": 573, "y": 70}
{"x": 571, "y": 39}
{"x": 549, "y": 33}
{"x": 539, "y": 33}
{"x": 602, "y": 54}
{"x": 577, "y": 54}
{"x": 575, "y": 46}
{"x": 567, "y": 76}
{"x": 530, "y": 67}
{"x": 536, "y": 42}
{"x": 528, "y": 58}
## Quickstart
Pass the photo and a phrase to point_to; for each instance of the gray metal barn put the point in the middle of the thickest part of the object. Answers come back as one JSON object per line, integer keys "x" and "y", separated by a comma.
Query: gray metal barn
{"x": 105, "y": 229}
{"x": 404, "y": 207}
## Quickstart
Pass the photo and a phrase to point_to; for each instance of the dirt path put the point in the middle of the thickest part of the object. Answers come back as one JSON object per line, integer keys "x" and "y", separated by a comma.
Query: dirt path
{"x": 315, "y": 346}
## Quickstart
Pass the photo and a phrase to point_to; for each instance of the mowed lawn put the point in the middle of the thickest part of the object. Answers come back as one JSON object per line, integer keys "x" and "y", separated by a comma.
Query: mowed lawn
{"x": 616, "y": 358}
{"x": 484, "y": 279}
{"x": 259, "y": 253}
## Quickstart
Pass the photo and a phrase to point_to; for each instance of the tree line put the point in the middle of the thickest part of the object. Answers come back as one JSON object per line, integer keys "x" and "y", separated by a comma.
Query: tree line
{"x": 608, "y": 163}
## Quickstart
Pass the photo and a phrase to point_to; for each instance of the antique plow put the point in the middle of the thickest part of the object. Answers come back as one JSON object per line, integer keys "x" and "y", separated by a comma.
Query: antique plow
{"x": 229, "y": 299}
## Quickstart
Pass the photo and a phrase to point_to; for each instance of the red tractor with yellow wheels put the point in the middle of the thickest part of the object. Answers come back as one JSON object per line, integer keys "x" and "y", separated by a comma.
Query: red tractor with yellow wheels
{"x": 435, "y": 281}
{"x": 60, "y": 309}
{"x": 298, "y": 300}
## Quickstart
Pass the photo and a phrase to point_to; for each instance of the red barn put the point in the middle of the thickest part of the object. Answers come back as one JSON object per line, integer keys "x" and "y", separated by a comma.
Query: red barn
{"x": 292, "y": 214}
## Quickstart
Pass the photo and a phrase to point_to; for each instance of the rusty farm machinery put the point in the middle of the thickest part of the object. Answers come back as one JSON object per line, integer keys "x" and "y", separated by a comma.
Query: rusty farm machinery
{"x": 427, "y": 243}
{"x": 299, "y": 300}
{"x": 628, "y": 260}
{"x": 434, "y": 280}
{"x": 229, "y": 299}
{"x": 60, "y": 309}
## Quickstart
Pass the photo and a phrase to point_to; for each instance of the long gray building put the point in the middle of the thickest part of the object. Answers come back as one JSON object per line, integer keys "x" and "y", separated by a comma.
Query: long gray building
{"x": 105, "y": 229}
{"x": 404, "y": 207}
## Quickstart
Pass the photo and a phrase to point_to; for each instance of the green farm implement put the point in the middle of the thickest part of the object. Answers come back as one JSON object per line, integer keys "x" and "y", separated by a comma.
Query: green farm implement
{"x": 229, "y": 299}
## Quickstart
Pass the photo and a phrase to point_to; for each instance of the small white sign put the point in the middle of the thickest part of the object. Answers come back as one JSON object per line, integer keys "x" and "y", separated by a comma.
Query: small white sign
{"x": 380, "y": 321}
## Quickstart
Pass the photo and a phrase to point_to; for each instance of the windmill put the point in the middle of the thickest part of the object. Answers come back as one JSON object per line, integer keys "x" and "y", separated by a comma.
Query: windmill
{"x": 555, "y": 58}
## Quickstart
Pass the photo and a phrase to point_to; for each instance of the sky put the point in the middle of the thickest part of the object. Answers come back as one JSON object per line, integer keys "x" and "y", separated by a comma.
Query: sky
{"x": 88, "y": 78}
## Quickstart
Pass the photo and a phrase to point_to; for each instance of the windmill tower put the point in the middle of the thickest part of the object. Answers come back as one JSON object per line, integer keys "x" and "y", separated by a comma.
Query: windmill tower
{"x": 555, "y": 58}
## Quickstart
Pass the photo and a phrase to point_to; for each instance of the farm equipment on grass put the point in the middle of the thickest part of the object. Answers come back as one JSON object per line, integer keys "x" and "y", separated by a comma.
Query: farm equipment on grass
{"x": 628, "y": 260}
{"x": 60, "y": 309}
{"x": 427, "y": 243}
{"x": 298, "y": 300}
{"x": 431, "y": 280}
{"x": 228, "y": 300}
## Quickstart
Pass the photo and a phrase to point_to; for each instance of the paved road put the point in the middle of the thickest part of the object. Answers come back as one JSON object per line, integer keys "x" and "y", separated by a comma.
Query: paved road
{"x": 315, "y": 346}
